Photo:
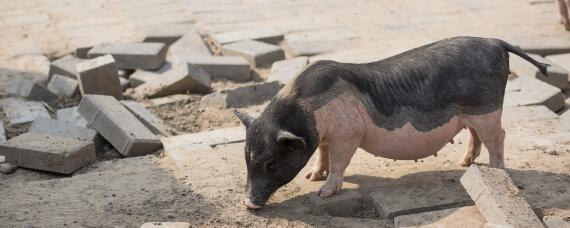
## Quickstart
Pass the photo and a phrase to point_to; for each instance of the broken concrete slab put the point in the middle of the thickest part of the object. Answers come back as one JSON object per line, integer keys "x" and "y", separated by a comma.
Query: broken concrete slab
{"x": 99, "y": 76}
{"x": 19, "y": 111}
{"x": 527, "y": 91}
{"x": 64, "y": 66}
{"x": 32, "y": 91}
{"x": 146, "y": 117}
{"x": 191, "y": 45}
{"x": 234, "y": 68}
{"x": 555, "y": 222}
{"x": 182, "y": 78}
{"x": 139, "y": 77}
{"x": 344, "y": 204}
{"x": 286, "y": 70}
{"x": 48, "y": 126}
{"x": 255, "y": 52}
{"x": 166, "y": 34}
{"x": 2, "y": 133}
{"x": 453, "y": 217}
{"x": 48, "y": 153}
{"x": 132, "y": 56}
{"x": 242, "y": 96}
{"x": 498, "y": 198}
{"x": 63, "y": 86}
{"x": 210, "y": 138}
{"x": 117, "y": 125}
{"x": 71, "y": 116}
{"x": 166, "y": 225}
{"x": 271, "y": 36}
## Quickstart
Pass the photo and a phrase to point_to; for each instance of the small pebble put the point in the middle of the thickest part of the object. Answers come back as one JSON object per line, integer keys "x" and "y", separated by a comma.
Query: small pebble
{"x": 7, "y": 168}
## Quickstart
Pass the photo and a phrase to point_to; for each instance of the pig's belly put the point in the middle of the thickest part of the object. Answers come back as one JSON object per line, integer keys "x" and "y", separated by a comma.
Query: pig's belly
{"x": 407, "y": 143}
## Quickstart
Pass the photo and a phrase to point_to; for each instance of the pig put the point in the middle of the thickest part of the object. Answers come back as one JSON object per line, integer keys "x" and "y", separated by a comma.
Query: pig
{"x": 404, "y": 107}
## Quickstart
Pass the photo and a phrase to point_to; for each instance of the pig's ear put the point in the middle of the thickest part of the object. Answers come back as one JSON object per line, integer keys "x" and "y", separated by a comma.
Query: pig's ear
{"x": 290, "y": 140}
{"x": 245, "y": 118}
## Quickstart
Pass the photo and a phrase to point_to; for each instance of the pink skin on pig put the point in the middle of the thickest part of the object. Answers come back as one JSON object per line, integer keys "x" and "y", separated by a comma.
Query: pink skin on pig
{"x": 344, "y": 125}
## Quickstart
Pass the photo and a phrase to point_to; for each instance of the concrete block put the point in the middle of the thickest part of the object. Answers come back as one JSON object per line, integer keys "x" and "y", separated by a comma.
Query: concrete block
{"x": 453, "y": 217}
{"x": 210, "y": 138}
{"x": 191, "y": 45}
{"x": 99, "y": 76}
{"x": 309, "y": 47}
{"x": 63, "y": 86}
{"x": 82, "y": 52}
{"x": 2, "y": 133}
{"x": 19, "y": 111}
{"x": 246, "y": 95}
{"x": 166, "y": 34}
{"x": 498, "y": 198}
{"x": 139, "y": 77}
{"x": 271, "y": 36}
{"x": 166, "y": 225}
{"x": 345, "y": 204}
{"x": 182, "y": 78}
{"x": 555, "y": 222}
{"x": 233, "y": 68}
{"x": 528, "y": 91}
{"x": 132, "y": 56}
{"x": 48, "y": 126}
{"x": 48, "y": 153}
{"x": 255, "y": 52}
{"x": 32, "y": 91}
{"x": 146, "y": 117}
{"x": 285, "y": 71}
{"x": 65, "y": 66}
{"x": 71, "y": 116}
{"x": 117, "y": 125}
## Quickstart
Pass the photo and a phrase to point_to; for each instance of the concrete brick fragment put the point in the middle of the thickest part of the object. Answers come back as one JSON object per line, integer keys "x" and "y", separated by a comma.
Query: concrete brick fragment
{"x": 19, "y": 111}
{"x": 32, "y": 91}
{"x": 233, "y": 68}
{"x": 117, "y": 125}
{"x": 132, "y": 56}
{"x": 498, "y": 198}
{"x": 63, "y": 86}
{"x": 453, "y": 217}
{"x": 345, "y": 204}
{"x": 182, "y": 78}
{"x": 555, "y": 222}
{"x": 271, "y": 36}
{"x": 2, "y": 133}
{"x": 139, "y": 77}
{"x": 246, "y": 95}
{"x": 146, "y": 117}
{"x": 210, "y": 138}
{"x": 99, "y": 76}
{"x": 48, "y": 126}
{"x": 48, "y": 153}
{"x": 64, "y": 66}
{"x": 71, "y": 116}
{"x": 528, "y": 91}
{"x": 255, "y": 52}
{"x": 286, "y": 70}
{"x": 191, "y": 45}
{"x": 166, "y": 34}
{"x": 166, "y": 225}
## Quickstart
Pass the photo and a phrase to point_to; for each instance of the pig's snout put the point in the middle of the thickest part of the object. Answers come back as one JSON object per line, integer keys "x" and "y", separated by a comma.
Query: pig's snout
{"x": 251, "y": 205}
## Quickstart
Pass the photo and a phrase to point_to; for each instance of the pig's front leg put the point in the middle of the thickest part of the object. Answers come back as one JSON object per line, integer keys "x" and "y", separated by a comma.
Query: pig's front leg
{"x": 321, "y": 164}
{"x": 340, "y": 154}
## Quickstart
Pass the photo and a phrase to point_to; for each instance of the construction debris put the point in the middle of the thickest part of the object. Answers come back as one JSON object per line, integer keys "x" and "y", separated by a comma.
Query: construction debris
{"x": 99, "y": 76}
{"x": 133, "y": 56}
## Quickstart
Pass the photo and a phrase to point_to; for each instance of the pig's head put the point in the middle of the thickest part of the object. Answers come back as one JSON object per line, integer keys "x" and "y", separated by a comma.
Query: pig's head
{"x": 273, "y": 155}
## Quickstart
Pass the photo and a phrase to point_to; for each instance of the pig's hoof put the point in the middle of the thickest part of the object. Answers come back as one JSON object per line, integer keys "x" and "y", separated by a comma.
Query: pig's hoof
{"x": 325, "y": 193}
{"x": 315, "y": 176}
{"x": 464, "y": 163}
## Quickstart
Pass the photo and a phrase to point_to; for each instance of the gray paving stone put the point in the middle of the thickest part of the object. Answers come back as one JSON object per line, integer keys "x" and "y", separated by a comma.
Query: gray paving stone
{"x": 64, "y": 66}
{"x": 286, "y": 70}
{"x": 182, "y": 78}
{"x": 139, "y": 77}
{"x": 48, "y": 126}
{"x": 146, "y": 117}
{"x": 527, "y": 91}
{"x": 555, "y": 222}
{"x": 118, "y": 126}
{"x": 166, "y": 34}
{"x": 242, "y": 96}
{"x": 309, "y": 47}
{"x": 271, "y": 36}
{"x": 344, "y": 204}
{"x": 48, "y": 152}
{"x": 255, "y": 52}
{"x": 132, "y": 56}
{"x": 233, "y": 68}
{"x": 191, "y": 45}
{"x": 32, "y": 91}
{"x": 71, "y": 116}
{"x": 453, "y": 217}
{"x": 498, "y": 198}
{"x": 210, "y": 138}
{"x": 99, "y": 76}
{"x": 19, "y": 111}
{"x": 2, "y": 133}
{"x": 63, "y": 86}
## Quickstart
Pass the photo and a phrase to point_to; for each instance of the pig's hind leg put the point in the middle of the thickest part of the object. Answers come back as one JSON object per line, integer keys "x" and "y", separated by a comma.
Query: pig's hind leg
{"x": 488, "y": 128}
{"x": 473, "y": 148}
{"x": 321, "y": 164}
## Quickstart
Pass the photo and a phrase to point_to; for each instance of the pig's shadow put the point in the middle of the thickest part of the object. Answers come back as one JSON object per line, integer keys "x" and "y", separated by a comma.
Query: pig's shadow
{"x": 541, "y": 189}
